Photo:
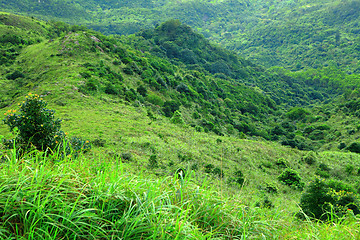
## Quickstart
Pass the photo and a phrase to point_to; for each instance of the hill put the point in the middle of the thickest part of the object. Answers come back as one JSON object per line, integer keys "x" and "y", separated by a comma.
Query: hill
{"x": 292, "y": 34}
{"x": 148, "y": 112}
{"x": 214, "y": 89}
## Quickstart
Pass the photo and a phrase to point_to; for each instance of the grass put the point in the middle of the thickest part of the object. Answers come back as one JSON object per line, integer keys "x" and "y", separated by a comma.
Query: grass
{"x": 101, "y": 196}
{"x": 46, "y": 197}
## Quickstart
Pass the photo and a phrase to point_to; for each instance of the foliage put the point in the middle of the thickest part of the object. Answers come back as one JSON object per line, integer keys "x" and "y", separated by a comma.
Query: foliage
{"x": 310, "y": 158}
{"x": 354, "y": 147}
{"x": 177, "y": 118}
{"x": 323, "y": 199}
{"x": 237, "y": 177}
{"x": 291, "y": 178}
{"x": 34, "y": 125}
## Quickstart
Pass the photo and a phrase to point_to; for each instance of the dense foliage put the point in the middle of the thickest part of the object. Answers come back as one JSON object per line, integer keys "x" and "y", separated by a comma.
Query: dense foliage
{"x": 292, "y": 34}
{"x": 35, "y": 126}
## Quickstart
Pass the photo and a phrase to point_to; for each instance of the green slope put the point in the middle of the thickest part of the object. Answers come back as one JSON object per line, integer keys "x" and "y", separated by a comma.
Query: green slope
{"x": 214, "y": 89}
{"x": 123, "y": 98}
{"x": 292, "y": 34}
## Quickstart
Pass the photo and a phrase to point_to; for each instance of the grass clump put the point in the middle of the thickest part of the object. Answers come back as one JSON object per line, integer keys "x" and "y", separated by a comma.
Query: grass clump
{"x": 47, "y": 197}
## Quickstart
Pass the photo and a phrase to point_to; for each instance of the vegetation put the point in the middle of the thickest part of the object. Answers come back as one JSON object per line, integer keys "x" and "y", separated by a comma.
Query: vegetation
{"x": 188, "y": 140}
{"x": 34, "y": 126}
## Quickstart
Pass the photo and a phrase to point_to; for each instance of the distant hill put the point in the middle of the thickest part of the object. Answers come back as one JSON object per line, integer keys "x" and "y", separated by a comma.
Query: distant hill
{"x": 291, "y": 34}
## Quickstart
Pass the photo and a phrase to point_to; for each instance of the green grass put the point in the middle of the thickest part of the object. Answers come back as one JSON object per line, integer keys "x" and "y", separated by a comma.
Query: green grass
{"x": 100, "y": 193}
{"x": 46, "y": 197}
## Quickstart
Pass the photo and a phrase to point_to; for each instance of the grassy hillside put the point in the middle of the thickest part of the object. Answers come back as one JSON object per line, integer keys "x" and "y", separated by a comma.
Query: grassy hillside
{"x": 178, "y": 70}
{"x": 147, "y": 114}
{"x": 94, "y": 188}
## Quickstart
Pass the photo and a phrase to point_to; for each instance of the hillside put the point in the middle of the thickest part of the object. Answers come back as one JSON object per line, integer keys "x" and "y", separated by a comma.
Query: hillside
{"x": 166, "y": 99}
{"x": 292, "y": 34}
{"x": 214, "y": 89}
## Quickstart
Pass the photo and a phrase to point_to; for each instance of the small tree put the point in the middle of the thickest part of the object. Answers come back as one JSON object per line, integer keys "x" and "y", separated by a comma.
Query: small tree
{"x": 34, "y": 124}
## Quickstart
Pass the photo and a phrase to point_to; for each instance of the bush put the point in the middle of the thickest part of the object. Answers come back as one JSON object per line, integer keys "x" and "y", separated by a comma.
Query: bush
{"x": 291, "y": 178}
{"x": 323, "y": 198}
{"x": 126, "y": 157}
{"x": 153, "y": 162}
{"x": 99, "y": 142}
{"x": 354, "y": 147}
{"x": 297, "y": 113}
{"x": 310, "y": 158}
{"x": 208, "y": 168}
{"x": 15, "y": 75}
{"x": 177, "y": 118}
{"x": 35, "y": 125}
{"x": 281, "y": 162}
{"x": 238, "y": 177}
{"x": 219, "y": 172}
{"x": 270, "y": 188}
{"x": 342, "y": 146}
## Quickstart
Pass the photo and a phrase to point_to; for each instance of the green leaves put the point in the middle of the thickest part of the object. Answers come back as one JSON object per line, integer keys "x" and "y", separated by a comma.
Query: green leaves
{"x": 35, "y": 125}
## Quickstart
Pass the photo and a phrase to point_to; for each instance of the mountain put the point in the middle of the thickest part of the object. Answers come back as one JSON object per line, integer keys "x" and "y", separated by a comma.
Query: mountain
{"x": 173, "y": 68}
{"x": 292, "y": 34}
{"x": 163, "y": 101}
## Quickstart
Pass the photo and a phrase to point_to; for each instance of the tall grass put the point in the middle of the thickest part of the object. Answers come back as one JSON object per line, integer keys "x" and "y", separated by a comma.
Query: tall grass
{"x": 51, "y": 197}
{"x": 46, "y": 196}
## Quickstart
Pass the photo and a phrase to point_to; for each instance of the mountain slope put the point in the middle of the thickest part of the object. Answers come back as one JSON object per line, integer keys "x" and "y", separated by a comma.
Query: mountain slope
{"x": 148, "y": 114}
{"x": 292, "y": 34}
{"x": 212, "y": 88}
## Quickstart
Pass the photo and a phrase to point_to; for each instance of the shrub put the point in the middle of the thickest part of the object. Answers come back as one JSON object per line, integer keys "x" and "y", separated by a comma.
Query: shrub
{"x": 354, "y": 147}
{"x": 177, "y": 118}
{"x": 184, "y": 157}
{"x": 323, "y": 198}
{"x": 323, "y": 170}
{"x": 342, "y": 146}
{"x": 349, "y": 169}
{"x": 291, "y": 178}
{"x": 154, "y": 99}
{"x": 271, "y": 188}
{"x": 237, "y": 177}
{"x": 219, "y": 172}
{"x": 281, "y": 162}
{"x": 79, "y": 145}
{"x": 265, "y": 203}
{"x": 35, "y": 125}
{"x": 15, "y": 75}
{"x": 297, "y": 113}
{"x": 310, "y": 158}
{"x": 153, "y": 162}
{"x": 208, "y": 168}
{"x": 126, "y": 156}
{"x": 142, "y": 91}
{"x": 99, "y": 142}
